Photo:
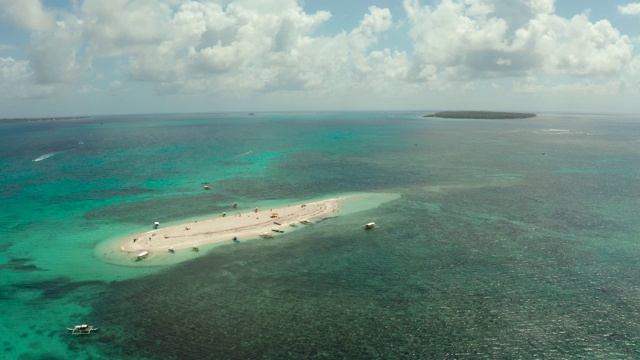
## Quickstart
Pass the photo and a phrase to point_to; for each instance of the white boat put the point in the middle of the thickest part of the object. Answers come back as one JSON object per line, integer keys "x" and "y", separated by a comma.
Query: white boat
{"x": 196, "y": 248}
{"x": 82, "y": 329}
{"x": 370, "y": 225}
{"x": 142, "y": 255}
{"x": 171, "y": 250}
{"x": 266, "y": 235}
{"x": 156, "y": 224}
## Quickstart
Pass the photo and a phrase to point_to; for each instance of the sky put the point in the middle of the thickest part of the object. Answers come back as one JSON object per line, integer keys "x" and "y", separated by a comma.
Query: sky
{"x": 93, "y": 57}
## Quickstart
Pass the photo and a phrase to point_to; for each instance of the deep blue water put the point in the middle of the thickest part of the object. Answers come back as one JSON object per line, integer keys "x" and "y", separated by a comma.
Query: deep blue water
{"x": 512, "y": 239}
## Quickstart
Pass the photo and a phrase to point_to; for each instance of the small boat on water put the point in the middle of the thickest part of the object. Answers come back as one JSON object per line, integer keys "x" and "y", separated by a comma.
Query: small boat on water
{"x": 196, "y": 248}
{"x": 156, "y": 224}
{"x": 370, "y": 225}
{"x": 142, "y": 255}
{"x": 277, "y": 230}
{"x": 171, "y": 250}
{"x": 207, "y": 187}
{"x": 82, "y": 329}
{"x": 266, "y": 235}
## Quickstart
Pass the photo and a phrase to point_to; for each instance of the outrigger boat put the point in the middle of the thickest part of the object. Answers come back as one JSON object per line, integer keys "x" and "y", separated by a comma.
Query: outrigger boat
{"x": 82, "y": 329}
{"x": 370, "y": 225}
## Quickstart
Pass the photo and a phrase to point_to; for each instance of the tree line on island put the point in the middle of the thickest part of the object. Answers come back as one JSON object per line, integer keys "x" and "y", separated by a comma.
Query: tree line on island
{"x": 479, "y": 115}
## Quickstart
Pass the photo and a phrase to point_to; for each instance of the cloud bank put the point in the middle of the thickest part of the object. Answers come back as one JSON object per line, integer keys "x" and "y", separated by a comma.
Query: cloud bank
{"x": 252, "y": 47}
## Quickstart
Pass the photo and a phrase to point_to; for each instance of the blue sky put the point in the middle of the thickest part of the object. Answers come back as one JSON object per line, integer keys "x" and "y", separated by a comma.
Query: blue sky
{"x": 87, "y": 57}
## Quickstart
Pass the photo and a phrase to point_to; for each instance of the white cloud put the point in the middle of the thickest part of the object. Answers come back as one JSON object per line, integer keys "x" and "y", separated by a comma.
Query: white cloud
{"x": 26, "y": 14}
{"x": 16, "y": 81}
{"x": 56, "y": 55}
{"x": 6, "y": 47}
{"x": 12, "y": 70}
{"x": 124, "y": 27}
{"x": 243, "y": 49}
{"x": 629, "y": 9}
{"x": 469, "y": 39}
{"x": 585, "y": 87}
{"x": 247, "y": 48}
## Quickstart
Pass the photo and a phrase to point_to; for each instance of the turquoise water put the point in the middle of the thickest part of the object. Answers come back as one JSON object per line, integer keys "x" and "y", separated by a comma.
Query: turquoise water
{"x": 511, "y": 239}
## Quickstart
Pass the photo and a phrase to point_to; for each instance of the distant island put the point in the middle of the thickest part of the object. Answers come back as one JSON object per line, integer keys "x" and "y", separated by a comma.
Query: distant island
{"x": 480, "y": 115}
{"x": 20, "y": 120}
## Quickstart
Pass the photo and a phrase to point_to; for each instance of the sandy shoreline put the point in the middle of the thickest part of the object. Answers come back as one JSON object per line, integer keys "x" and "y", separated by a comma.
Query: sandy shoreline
{"x": 243, "y": 225}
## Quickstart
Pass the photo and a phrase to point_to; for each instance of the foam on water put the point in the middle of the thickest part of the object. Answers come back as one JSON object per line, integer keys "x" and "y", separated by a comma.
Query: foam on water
{"x": 46, "y": 156}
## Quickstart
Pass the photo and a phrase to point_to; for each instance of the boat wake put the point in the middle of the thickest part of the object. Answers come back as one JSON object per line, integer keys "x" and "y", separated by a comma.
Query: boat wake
{"x": 46, "y": 156}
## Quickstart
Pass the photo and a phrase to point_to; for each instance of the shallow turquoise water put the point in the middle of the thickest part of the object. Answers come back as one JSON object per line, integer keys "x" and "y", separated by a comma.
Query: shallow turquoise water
{"x": 512, "y": 239}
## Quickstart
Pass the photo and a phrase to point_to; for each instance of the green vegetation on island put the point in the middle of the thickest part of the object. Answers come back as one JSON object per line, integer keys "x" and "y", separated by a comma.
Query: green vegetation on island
{"x": 480, "y": 115}
{"x": 20, "y": 120}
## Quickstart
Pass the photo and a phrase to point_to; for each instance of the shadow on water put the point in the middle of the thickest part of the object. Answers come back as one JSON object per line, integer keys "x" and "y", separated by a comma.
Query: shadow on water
{"x": 20, "y": 264}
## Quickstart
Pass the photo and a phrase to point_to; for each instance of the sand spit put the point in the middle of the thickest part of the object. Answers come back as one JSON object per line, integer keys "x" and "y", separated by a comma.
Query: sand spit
{"x": 172, "y": 244}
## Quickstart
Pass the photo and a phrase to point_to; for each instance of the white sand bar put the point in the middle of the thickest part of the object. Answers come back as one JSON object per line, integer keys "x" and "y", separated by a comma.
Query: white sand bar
{"x": 241, "y": 224}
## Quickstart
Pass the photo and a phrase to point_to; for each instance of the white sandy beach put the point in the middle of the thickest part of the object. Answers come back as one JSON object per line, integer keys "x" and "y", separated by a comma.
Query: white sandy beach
{"x": 243, "y": 224}
{"x": 223, "y": 228}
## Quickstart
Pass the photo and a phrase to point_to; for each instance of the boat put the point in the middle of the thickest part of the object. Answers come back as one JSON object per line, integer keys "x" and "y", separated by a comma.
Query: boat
{"x": 196, "y": 248}
{"x": 156, "y": 224}
{"x": 142, "y": 255}
{"x": 207, "y": 187}
{"x": 266, "y": 235}
{"x": 304, "y": 221}
{"x": 171, "y": 250}
{"x": 370, "y": 225}
{"x": 82, "y": 329}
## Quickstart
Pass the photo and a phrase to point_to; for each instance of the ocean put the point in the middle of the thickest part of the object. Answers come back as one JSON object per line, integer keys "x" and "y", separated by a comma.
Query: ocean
{"x": 510, "y": 239}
